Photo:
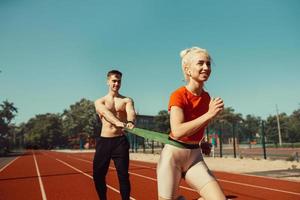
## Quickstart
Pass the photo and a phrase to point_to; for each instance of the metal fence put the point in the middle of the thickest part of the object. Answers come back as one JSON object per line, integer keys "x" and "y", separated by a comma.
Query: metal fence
{"x": 234, "y": 149}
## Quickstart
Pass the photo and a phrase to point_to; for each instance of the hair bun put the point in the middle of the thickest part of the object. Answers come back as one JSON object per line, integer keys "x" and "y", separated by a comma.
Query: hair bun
{"x": 184, "y": 52}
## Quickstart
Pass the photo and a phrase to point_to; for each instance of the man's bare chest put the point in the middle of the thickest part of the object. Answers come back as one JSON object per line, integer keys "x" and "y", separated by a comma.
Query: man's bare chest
{"x": 116, "y": 105}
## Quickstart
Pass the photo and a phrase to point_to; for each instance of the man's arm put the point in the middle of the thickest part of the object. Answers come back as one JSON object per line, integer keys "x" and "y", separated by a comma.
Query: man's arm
{"x": 130, "y": 113}
{"x": 107, "y": 114}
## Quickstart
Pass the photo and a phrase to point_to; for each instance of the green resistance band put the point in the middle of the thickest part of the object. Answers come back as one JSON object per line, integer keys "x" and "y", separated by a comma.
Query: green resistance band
{"x": 152, "y": 135}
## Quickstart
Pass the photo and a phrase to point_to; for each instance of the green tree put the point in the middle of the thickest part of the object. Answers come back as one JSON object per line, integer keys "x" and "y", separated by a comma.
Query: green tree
{"x": 162, "y": 122}
{"x": 19, "y": 135}
{"x": 7, "y": 113}
{"x": 44, "y": 131}
{"x": 294, "y": 127}
{"x": 81, "y": 120}
{"x": 225, "y": 122}
{"x": 271, "y": 128}
{"x": 251, "y": 126}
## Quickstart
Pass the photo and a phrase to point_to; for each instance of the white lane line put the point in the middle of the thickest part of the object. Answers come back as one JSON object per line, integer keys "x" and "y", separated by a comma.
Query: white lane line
{"x": 135, "y": 174}
{"x": 222, "y": 180}
{"x": 239, "y": 183}
{"x": 40, "y": 179}
{"x": 8, "y": 164}
{"x": 143, "y": 166}
{"x": 258, "y": 176}
{"x": 154, "y": 179}
{"x": 260, "y": 187}
{"x": 87, "y": 161}
{"x": 112, "y": 188}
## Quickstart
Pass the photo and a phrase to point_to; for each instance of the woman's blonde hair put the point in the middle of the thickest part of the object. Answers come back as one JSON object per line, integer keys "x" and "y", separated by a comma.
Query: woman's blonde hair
{"x": 186, "y": 58}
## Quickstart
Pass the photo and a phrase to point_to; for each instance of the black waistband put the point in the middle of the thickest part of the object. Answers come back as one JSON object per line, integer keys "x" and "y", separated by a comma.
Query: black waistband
{"x": 110, "y": 138}
{"x": 188, "y": 146}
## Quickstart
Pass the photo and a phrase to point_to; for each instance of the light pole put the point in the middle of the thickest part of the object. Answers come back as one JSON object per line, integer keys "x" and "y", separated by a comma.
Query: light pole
{"x": 278, "y": 126}
{"x": 235, "y": 139}
{"x": 263, "y": 139}
{"x": 233, "y": 136}
{"x": 220, "y": 137}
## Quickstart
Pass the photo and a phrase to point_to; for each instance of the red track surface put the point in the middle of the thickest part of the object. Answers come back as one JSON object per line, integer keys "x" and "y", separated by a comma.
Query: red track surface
{"x": 52, "y": 175}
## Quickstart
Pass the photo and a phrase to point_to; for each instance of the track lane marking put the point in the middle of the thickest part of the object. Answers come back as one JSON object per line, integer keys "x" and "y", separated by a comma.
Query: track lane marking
{"x": 222, "y": 180}
{"x": 5, "y": 166}
{"x": 143, "y": 166}
{"x": 244, "y": 184}
{"x": 154, "y": 179}
{"x": 40, "y": 178}
{"x": 135, "y": 174}
{"x": 78, "y": 170}
{"x": 260, "y": 187}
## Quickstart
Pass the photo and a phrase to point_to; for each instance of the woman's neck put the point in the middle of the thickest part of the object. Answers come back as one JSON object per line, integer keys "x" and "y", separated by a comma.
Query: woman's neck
{"x": 194, "y": 87}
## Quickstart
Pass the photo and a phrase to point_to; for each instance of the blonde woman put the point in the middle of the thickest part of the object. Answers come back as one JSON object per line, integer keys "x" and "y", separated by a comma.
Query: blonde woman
{"x": 191, "y": 109}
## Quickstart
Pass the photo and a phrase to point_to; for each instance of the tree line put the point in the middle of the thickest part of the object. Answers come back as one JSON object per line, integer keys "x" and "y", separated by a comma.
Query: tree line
{"x": 247, "y": 129}
{"x": 80, "y": 123}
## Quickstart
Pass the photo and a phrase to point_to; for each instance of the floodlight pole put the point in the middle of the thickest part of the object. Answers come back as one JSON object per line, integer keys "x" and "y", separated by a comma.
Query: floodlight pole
{"x": 233, "y": 136}
{"x": 278, "y": 127}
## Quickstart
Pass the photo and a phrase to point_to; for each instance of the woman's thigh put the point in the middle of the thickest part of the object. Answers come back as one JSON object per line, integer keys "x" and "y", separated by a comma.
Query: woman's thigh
{"x": 198, "y": 175}
{"x": 169, "y": 173}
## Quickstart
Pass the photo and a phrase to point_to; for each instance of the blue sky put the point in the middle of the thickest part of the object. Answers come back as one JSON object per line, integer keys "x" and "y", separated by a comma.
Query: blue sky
{"x": 53, "y": 53}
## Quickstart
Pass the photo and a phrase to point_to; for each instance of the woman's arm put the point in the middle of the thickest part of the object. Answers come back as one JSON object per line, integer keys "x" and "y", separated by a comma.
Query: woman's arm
{"x": 180, "y": 128}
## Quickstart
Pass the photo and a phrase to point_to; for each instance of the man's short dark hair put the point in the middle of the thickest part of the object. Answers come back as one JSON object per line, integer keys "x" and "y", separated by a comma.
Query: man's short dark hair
{"x": 114, "y": 72}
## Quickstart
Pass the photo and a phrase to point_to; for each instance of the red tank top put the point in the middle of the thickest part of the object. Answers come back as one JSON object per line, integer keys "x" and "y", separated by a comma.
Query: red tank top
{"x": 193, "y": 106}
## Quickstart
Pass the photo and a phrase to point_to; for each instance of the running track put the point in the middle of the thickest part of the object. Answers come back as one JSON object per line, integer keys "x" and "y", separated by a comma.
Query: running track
{"x": 53, "y": 175}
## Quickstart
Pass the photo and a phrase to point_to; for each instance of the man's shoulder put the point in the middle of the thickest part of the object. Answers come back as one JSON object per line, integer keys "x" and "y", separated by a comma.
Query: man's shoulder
{"x": 126, "y": 99}
{"x": 101, "y": 100}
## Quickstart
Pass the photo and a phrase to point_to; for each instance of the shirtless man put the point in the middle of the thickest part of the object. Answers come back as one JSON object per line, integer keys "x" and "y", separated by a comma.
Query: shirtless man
{"x": 116, "y": 113}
